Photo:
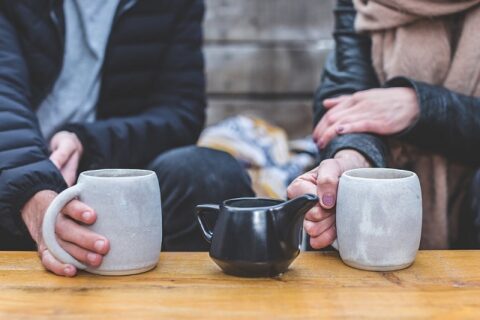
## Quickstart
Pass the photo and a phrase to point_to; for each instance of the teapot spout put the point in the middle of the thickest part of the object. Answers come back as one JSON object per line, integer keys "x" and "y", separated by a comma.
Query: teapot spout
{"x": 290, "y": 215}
{"x": 300, "y": 205}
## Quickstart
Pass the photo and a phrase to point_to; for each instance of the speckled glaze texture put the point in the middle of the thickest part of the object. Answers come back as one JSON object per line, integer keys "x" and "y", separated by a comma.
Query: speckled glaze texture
{"x": 378, "y": 218}
{"x": 129, "y": 214}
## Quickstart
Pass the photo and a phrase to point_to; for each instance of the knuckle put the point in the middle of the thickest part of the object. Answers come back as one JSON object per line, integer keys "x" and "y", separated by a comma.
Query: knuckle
{"x": 357, "y": 96}
{"x": 49, "y": 263}
{"x": 329, "y": 134}
{"x": 61, "y": 155}
{"x": 44, "y": 258}
{"x": 308, "y": 226}
{"x": 326, "y": 167}
{"x": 63, "y": 228}
{"x": 368, "y": 125}
{"x": 329, "y": 179}
{"x": 292, "y": 189}
{"x": 329, "y": 235}
{"x": 313, "y": 214}
{"x": 329, "y": 118}
{"x": 72, "y": 209}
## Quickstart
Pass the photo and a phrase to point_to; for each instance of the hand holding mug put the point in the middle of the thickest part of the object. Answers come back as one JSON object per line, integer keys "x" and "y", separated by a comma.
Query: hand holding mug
{"x": 83, "y": 244}
{"x": 319, "y": 222}
{"x": 128, "y": 207}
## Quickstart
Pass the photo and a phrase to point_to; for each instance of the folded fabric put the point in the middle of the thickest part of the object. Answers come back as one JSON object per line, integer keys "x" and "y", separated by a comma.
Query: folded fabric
{"x": 271, "y": 160}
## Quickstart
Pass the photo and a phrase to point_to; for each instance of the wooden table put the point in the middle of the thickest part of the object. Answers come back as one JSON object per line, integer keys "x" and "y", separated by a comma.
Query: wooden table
{"x": 441, "y": 284}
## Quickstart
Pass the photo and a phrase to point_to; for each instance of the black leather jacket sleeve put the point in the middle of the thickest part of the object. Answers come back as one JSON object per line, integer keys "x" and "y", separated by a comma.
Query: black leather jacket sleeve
{"x": 449, "y": 122}
{"x": 24, "y": 165}
{"x": 349, "y": 69}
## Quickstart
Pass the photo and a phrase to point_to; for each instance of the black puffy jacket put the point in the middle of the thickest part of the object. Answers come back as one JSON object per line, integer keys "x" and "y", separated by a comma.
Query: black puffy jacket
{"x": 152, "y": 92}
{"x": 449, "y": 122}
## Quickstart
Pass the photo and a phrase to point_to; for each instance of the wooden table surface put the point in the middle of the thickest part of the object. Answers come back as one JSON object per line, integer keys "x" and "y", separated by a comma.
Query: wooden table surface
{"x": 440, "y": 284}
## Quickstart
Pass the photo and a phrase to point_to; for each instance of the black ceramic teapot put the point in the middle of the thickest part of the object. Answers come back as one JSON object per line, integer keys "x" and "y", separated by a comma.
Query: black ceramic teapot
{"x": 255, "y": 237}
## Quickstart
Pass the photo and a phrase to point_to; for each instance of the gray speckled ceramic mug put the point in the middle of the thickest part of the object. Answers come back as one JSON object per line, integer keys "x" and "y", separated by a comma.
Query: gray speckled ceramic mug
{"x": 378, "y": 218}
{"x": 129, "y": 215}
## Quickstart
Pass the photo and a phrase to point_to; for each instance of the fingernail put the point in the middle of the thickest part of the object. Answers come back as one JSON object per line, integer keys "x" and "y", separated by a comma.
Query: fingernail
{"x": 340, "y": 129}
{"x": 87, "y": 215}
{"x": 328, "y": 200}
{"x": 99, "y": 245}
{"x": 92, "y": 257}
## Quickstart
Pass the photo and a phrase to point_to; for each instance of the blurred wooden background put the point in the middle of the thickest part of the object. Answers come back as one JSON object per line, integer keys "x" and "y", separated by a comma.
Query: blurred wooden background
{"x": 265, "y": 57}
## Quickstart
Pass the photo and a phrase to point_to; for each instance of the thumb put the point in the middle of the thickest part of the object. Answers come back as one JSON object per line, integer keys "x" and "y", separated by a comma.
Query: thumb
{"x": 329, "y": 172}
{"x": 64, "y": 151}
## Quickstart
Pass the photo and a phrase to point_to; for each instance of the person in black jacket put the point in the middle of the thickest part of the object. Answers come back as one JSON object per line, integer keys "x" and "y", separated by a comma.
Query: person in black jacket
{"x": 116, "y": 83}
{"x": 359, "y": 107}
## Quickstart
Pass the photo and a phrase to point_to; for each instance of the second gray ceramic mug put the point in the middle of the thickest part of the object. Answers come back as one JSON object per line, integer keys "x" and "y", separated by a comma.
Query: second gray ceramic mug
{"x": 378, "y": 218}
{"x": 129, "y": 215}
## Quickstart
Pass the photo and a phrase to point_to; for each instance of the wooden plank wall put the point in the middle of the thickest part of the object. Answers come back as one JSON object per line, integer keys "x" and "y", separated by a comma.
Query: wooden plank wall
{"x": 264, "y": 57}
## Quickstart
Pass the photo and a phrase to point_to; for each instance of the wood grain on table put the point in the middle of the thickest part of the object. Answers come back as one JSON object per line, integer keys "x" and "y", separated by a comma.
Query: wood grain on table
{"x": 440, "y": 285}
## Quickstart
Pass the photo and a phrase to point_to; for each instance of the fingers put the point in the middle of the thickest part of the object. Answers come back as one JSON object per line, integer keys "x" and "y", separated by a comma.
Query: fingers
{"x": 331, "y": 119}
{"x": 315, "y": 229}
{"x": 91, "y": 258}
{"x": 362, "y": 126}
{"x": 328, "y": 176}
{"x": 65, "y": 149}
{"x": 55, "y": 266}
{"x": 64, "y": 145}
{"x": 332, "y": 102}
{"x": 329, "y": 134}
{"x": 80, "y": 212}
{"x": 306, "y": 183}
{"x": 69, "y": 170}
{"x": 67, "y": 230}
{"x": 317, "y": 214}
{"x": 324, "y": 239}
{"x": 80, "y": 242}
{"x": 320, "y": 220}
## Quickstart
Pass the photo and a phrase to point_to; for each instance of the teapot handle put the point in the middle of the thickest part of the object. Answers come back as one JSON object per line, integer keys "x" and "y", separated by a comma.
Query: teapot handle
{"x": 202, "y": 212}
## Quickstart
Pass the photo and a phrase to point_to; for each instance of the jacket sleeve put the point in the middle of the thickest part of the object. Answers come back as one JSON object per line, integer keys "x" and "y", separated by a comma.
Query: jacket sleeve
{"x": 177, "y": 105}
{"x": 449, "y": 122}
{"x": 349, "y": 69}
{"x": 24, "y": 164}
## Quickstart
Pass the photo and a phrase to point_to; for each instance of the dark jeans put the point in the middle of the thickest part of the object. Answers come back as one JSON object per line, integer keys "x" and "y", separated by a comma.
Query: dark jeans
{"x": 188, "y": 176}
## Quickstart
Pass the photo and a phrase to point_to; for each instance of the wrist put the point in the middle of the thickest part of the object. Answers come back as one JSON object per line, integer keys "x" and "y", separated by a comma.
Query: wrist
{"x": 352, "y": 159}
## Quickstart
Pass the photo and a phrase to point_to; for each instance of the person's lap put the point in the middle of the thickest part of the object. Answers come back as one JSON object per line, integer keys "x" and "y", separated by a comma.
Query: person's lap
{"x": 188, "y": 176}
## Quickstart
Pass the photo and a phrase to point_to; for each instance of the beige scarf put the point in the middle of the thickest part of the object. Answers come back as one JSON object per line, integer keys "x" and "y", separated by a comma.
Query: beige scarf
{"x": 438, "y": 42}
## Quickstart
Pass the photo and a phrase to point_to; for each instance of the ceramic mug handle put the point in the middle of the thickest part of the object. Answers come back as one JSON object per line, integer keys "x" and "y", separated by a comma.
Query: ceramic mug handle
{"x": 335, "y": 244}
{"x": 202, "y": 211}
{"x": 48, "y": 227}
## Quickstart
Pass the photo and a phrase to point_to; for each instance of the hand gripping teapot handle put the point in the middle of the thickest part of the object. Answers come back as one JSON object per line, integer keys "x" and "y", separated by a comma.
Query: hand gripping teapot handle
{"x": 203, "y": 211}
